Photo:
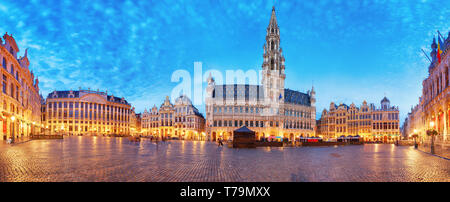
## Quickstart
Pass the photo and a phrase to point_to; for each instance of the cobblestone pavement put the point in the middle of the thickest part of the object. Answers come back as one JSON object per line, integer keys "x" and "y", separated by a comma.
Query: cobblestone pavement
{"x": 117, "y": 159}
{"x": 442, "y": 150}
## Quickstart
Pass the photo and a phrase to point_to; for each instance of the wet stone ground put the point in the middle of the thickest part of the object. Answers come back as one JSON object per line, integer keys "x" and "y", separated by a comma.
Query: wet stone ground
{"x": 117, "y": 159}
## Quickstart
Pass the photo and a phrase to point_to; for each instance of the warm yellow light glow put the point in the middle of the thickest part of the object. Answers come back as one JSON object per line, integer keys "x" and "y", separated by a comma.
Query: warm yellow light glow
{"x": 13, "y": 118}
{"x": 415, "y": 130}
{"x": 432, "y": 123}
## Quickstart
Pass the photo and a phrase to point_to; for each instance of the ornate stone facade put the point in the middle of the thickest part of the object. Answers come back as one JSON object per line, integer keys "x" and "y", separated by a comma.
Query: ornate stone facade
{"x": 21, "y": 102}
{"x": 367, "y": 121}
{"x": 180, "y": 120}
{"x": 86, "y": 112}
{"x": 268, "y": 109}
{"x": 432, "y": 111}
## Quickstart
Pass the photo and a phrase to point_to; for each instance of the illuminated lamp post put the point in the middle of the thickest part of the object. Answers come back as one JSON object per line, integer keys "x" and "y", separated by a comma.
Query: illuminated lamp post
{"x": 12, "y": 127}
{"x": 415, "y": 138}
{"x": 432, "y": 133}
{"x": 33, "y": 128}
{"x": 62, "y": 130}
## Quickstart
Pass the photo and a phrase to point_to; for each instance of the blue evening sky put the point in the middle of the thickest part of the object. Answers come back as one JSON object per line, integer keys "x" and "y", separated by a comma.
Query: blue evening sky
{"x": 351, "y": 50}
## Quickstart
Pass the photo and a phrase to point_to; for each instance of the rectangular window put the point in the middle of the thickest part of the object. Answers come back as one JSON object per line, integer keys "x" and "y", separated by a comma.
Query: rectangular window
{"x": 4, "y": 63}
{"x": 12, "y": 91}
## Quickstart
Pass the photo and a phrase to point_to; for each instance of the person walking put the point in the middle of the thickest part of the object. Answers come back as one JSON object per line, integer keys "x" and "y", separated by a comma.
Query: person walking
{"x": 220, "y": 143}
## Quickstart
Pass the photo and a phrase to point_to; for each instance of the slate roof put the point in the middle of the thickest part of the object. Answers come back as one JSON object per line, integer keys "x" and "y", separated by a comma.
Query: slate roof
{"x": 246, "y": 91}
{"x": 295, "y": 97}
{"x": 65, "y": 94}
{"x": 243, "y": 129}
{"x": 238, "y": 91}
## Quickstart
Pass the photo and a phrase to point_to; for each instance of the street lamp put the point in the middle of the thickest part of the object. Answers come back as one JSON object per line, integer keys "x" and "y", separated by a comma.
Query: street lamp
{"x": 62, "y": 130}
{"x": 33, "y": 128}
{"x": 12, "y": 124}
{"x": 432, "y": 132}
{"x": 415, "y": 138}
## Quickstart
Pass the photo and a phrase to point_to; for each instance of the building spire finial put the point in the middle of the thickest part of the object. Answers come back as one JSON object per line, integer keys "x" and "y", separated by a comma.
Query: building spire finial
{"x": 273, "y": 18}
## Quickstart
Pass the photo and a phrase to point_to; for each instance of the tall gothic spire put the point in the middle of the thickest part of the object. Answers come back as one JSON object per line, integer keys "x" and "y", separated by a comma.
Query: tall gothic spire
{"x": 273, "y": 56}
{"x": 273, "y": 19}
{"x": 273, "y": 65}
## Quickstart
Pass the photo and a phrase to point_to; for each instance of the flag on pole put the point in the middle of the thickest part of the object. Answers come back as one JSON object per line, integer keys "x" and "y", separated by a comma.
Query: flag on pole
{"x": 439, "y": 51}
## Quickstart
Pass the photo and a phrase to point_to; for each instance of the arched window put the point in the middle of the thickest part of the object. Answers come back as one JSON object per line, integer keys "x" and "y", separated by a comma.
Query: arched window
{"x": 272, "y": 64}
{"x": 271, "y": 45}
{"x": 4, "y": 63}
{"x": 446, "y": 76}
{"x": 437, "y": 86}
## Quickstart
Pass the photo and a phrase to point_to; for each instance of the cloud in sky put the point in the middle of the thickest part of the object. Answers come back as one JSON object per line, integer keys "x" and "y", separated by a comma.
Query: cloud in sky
{"x": 351, "y": 50}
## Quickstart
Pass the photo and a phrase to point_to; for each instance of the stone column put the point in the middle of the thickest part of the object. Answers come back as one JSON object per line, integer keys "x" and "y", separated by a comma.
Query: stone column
{"x": 444, "y": 107}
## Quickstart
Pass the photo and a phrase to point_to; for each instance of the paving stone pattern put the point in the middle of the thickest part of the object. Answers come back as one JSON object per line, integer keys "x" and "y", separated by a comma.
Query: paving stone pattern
{"x": 117, "y": 159}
